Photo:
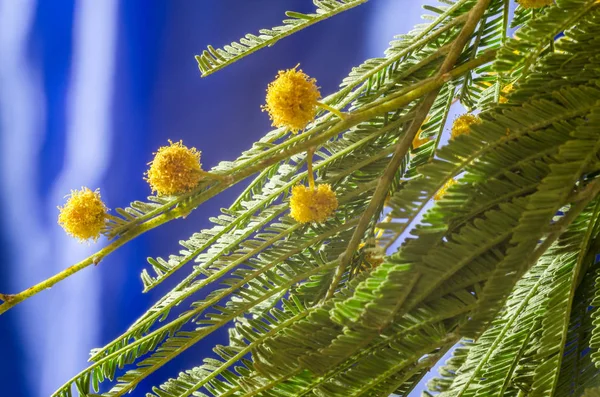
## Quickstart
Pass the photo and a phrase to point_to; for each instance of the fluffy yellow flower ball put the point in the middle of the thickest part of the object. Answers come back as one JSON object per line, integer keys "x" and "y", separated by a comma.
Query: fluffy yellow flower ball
{"x": 292, "y": 100}
{"x": 176, "y": 169}
{"x": 462, "y": 124}
{"x": 534, "y": 3}
{"x": 84, "y": 214}
{"x": 312, "y": 205}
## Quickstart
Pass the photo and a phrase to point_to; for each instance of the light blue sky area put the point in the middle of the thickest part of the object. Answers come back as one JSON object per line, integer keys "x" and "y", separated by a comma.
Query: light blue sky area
{"x": 393, "y": 17}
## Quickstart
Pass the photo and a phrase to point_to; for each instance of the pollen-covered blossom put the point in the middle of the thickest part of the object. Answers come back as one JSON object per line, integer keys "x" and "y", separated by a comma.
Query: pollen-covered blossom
{"x": 535, "y": 3}
{"x": 462, "y": 124}
{"x": 440, "y": 193}
{"x": 292, "y": 100}
{"x": 84, "y": 214}
{"x": 312, "y": 204}
{"x": 176, "y": 169}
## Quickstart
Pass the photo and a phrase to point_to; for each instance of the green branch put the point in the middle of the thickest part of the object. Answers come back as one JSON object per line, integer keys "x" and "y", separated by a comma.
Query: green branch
{"x": 213, "y": 60}
{"x": 402, "y": 147}
{"x": 121, "y": 389}
{"x": 252, "y": 167}
{"x": 147, "y": 320}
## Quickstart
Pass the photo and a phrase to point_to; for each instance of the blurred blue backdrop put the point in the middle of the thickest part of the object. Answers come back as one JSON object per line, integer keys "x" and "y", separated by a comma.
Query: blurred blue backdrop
{"x": 88, "y": 90}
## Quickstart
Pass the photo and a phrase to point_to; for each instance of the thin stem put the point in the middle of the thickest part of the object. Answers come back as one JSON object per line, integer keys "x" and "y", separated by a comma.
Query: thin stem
{"x": 419, "y": 41}
{"x": 423, "y": 87}
{"x": 331, "y": 109}
{"x": 582, "y": 200}
{"x": 12, "y": 300}
{"x": 505, "y": 22}
{"x": 182, "y": 319}
{"x": 162, "y": 217}
{"x": 381, "y": 191}
{"x": 423, "y": 366}
{"x": 309, "y": 166}
{"x": 500, "y": 336}
{"x": 185, "y": 292}
{"x": 192, "y": 340}
{"x": 416, "y": 358}
{"x": 475, "y": 45}
{"x": 434, "y": 150}
{"x": 533, "y": 54}
{"x": 5, "y": 298}
{"x": 218, "y": 177}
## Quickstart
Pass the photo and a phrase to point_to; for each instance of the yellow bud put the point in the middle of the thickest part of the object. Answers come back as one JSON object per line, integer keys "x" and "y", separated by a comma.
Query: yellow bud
{"x": 312, "y": 205}
{"x": 462, "y": 124}
{"x": 84, "y": 214}
{"x": 292, "y": 100}
{"x": 176, "y": 169}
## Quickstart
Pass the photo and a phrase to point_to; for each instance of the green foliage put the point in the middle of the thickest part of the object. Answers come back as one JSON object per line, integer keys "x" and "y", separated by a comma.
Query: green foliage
{"x": 502, "y": 265}
{"x": 213, "y": 59}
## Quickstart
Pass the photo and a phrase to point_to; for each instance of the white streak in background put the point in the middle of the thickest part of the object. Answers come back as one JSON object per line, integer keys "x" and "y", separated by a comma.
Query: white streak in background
{"x": 21, "y": 136}
{"x": 88, "y": 141}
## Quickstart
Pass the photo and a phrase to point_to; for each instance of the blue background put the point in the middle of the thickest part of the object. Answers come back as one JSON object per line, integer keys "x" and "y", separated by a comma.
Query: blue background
{"x": 88, "y": 90}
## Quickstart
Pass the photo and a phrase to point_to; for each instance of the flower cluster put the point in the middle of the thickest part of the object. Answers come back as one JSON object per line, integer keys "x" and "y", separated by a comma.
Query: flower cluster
{"x": 175, "y": 170}
{"x": 462, "y": 124}
{"x": 310, "y": 204}
{"x": 292, "y": 100}
{"x": 84, "y": 214}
